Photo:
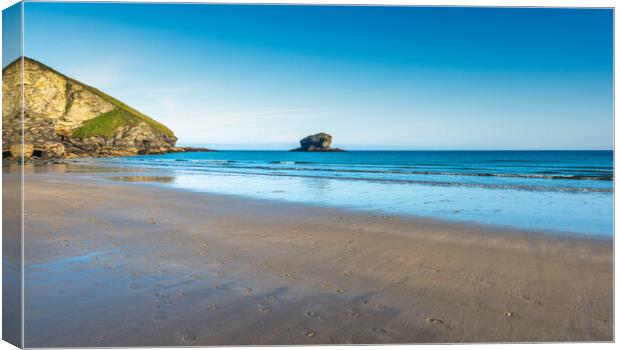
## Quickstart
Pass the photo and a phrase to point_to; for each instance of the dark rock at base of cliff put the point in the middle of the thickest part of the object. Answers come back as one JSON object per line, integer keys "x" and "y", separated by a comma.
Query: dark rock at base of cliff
{"x": 320, "y": 142}
{"x": 51, "y": 152}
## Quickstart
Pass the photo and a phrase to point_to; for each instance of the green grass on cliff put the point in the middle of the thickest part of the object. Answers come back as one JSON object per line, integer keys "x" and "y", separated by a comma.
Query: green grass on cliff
{"x": 131, "y": 112}
{"x": 105, "y": 124}
{"x": 105, "y": 121}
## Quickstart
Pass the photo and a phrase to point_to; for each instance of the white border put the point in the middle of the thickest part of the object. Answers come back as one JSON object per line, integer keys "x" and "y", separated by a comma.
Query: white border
{"x": 488, "y": 3}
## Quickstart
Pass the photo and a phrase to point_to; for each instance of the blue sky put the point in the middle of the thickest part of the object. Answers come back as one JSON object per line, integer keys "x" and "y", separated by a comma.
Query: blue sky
{"x": 230, "y": 76}
{"x": 11, "y": 33}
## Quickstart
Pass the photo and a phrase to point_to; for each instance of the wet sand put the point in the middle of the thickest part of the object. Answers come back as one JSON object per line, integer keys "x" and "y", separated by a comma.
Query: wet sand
{"x": 122, "y": 264}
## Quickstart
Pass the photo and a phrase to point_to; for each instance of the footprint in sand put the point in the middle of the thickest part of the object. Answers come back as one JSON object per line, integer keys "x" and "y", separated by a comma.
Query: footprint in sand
{"x": 354, "y": 314}
{"x": 348, "y": 273}
{"x": 265, "y": 305}
{"x": 316, "y": 316}
{"x": 340, "y": 290}
{"x": 247, "y": 290}
{"x": 374, "y": 305}
{"x": 187, "y": 337}
{"x": 434, "y": 321}
{"x": 287, "y": 276}
{"x": 341, "y": 260}
{"x": 381, "y": 331}
{"x": 164, "y": 298}
{"x": 264, "y": 309}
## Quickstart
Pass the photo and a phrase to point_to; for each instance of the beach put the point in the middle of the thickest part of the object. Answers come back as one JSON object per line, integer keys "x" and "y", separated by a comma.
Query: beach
{"x": 205, "y": 174}
{"x": 117, "y": 263}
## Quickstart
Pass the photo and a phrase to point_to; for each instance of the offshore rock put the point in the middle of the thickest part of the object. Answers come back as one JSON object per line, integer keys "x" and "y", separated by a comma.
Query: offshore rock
{"x": 320, "y": 142}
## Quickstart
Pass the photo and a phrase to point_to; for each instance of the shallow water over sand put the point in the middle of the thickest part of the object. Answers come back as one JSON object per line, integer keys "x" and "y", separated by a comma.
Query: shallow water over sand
{"x": 565, "y": 192}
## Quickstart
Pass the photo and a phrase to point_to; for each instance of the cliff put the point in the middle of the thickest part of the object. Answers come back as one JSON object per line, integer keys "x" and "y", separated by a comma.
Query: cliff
{"x": 64, "y": 118}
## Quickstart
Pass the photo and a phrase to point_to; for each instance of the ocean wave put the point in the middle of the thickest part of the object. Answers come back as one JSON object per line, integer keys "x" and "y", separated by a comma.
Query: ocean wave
{"x": 433, "y": 183}
{"x": 390, "y": 172}
{"x": 290, "y": 162}
{"x": 598, "y": 176}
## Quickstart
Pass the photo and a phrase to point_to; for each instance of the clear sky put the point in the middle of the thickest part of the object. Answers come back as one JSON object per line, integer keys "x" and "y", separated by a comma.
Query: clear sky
{"x": 230, "y": 76}
{"x": 11, "y": 33}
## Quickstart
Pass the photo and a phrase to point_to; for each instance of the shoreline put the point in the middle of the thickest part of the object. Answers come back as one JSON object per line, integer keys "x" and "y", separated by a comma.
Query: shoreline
{"x": 486, "y": 227}
{"x": 158, "y": 178}
{"x": 171, "y": 267}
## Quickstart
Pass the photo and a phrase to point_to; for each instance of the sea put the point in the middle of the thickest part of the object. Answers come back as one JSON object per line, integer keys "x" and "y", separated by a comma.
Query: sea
{"x": 555, "y": 192}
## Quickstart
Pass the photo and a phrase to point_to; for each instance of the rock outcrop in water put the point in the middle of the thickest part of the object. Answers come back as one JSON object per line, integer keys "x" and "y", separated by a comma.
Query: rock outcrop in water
{"x": 64, "y": 118}
{"x": 320, "y": 142}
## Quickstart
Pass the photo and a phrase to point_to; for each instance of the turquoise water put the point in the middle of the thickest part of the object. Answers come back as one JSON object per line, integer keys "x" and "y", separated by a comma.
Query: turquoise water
{"x": 561, "y": 191}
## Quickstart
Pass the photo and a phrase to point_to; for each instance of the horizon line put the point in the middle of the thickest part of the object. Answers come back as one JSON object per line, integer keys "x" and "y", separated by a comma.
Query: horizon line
{"x": 418, "y": 150}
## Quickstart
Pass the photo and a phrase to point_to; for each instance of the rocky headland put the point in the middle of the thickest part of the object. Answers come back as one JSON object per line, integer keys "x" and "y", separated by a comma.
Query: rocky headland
{"x": 320, "y": 142}
{"x": 64, "y": 118}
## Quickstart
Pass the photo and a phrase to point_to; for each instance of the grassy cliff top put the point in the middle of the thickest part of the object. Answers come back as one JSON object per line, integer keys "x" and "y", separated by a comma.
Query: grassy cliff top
{"x": 105, "y": 124}
{"x": 130, "y": 114}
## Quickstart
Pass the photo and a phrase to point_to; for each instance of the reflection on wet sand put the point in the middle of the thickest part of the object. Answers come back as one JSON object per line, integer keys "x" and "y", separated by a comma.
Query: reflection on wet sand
{"x": 73, "y": 167}
{"x": 160, "y": 179}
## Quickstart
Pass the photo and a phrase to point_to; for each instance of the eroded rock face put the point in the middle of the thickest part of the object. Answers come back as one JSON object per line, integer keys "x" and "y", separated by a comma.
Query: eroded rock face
{"x": 19, "y": 150}
{"x": 56, "y": 105}
{"x": 320, "y": 142}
